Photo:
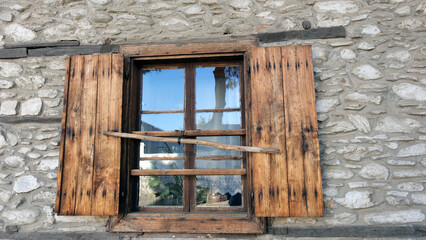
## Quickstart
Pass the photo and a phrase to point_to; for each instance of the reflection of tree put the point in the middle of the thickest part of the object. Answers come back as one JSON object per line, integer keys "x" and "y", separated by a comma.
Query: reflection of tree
{"x": 225, "y": 78}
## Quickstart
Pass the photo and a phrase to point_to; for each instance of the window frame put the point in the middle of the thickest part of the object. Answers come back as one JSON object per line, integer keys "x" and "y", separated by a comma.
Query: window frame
{"x": 128, "y": 221}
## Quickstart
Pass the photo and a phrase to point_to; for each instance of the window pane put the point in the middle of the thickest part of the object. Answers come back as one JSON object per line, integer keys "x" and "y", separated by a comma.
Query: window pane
{"x": 162, "y": 122}
{"x": 219, "y": 191}
{"x": 221, "y": 164}
{"x": 163, "y": 89}
{"x": 160, "y": 149}
{"x": 161, "y": 164}
{"x": 217, "y": 87}
{"x": 212, "y": 151}
{"x": 218, "y": 120}
{"x": 160, "y": 191}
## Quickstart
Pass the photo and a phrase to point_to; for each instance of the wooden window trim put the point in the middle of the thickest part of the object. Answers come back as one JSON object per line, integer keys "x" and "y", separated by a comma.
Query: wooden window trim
{"x": 177, "y": 222}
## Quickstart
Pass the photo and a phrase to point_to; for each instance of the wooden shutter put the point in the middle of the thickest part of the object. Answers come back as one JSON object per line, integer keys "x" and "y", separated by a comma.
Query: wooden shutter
{"x": 282, "y": 114}
{"x": 89, "y": 162}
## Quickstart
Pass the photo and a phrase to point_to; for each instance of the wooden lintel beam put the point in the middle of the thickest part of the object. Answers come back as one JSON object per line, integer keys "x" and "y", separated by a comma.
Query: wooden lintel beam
{"x": 317, "y": 33}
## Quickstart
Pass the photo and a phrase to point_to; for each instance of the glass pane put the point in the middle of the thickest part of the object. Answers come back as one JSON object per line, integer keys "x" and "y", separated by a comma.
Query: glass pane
{"x": 217, "y": 87}
{"x": 209, "y": 164}
{"x": 163, "y": 89}
{"x": 160, "y": 149}
{"x": 162, "y": 122}
{"x": 160, "y": 191}
{"x": 161, "y": 164}
{"x": 218, "y": 120}
{"x": 212, "y": 151}
{"x": 219, "y": 191}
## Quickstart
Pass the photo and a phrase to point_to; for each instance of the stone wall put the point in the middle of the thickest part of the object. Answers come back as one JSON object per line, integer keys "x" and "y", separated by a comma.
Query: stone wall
{"x": 371, "y": 97}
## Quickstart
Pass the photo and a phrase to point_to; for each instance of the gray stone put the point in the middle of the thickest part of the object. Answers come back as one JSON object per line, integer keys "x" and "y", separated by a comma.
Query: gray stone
{"x": 326, "y": 105}
{"x": 8, "y": 69}
{"x": 339, "y": 126}
{"x": 337, "y": 173}
{"x": 49, "y": 93}
{"x": 347, "y": 54}
{"x": 319, "y": 53}
{"x": 46, "y": 165}
{"x": 403, "y": 11}
{"x": 358, "y": 185}
{"x": 414, "y": 150}
{"x": 408, "y": 91}
{"x": 3, "y": 142}
{"x": 359, "y": 97}
{"x": 395, "y": 217}
{"x": 409, "y": 173}
{"x": 397, "y": 194}
{"x": 356, "y": 199}
{"x": 419, "y": 198}
{"x": 19, "y": 33}
{"x": 240, "y": 3}
{"x": 47, "y": 136}
{"x": 25, "y": 184}
{"x": 393, "y": 201}
{"x": 394, "y": 162}
{"x": 410, "y": 186}
{"x": 5, "y": 195}
{"x": 31, "y": 82}
{"x": 372, "y": 30}
{"x": 4, "y": 84}
{"x": 34, "y": 155}
{"x": 401, "y": 55}
{"x": 367, "y": 72}
{"x": 356, "y": 155}
{"x": 14, "y": 161}
{"x": 44, "y": 196}
{"x": 325, "y": 21}
{"x": 194, "y": 10}
{"x": 31, "y": 107}
{"x": 342, "y": 219}
{"x": 397, "y": 125}
{"x": 25, "y": 216}
{"x": 8, "y": 108}
{"x": 360, "y": 122}
{"x": 6, "y": 95}
{"x": 341, "y": 7}
{"x": 410, "y": 24}
{"x": 374, "y": 171}
{"x": 392, "y": 145}
{"x": 6, "y": 16}
{"x": 52, "y": 103}
{"x": 100, "y": 17}
{"x": 175, "y": 23}
{"x": 100, "y": 2}
{"x": 330, "y": 191}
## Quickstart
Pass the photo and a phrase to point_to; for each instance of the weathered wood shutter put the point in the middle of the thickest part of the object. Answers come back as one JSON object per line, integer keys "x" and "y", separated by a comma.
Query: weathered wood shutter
{"x": 89, "y": 162}
{"x": 282, "y": 115}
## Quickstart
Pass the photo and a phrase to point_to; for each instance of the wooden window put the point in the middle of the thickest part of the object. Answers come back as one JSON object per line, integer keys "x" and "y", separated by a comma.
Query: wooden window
{"x": 103, "y": 124}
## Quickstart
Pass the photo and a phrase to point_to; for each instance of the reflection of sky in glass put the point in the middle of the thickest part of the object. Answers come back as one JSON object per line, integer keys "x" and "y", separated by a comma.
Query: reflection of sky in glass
{"x": 205, "y": 90}
{"x": 162, "y": 122}
{"x": 163, "y": 89}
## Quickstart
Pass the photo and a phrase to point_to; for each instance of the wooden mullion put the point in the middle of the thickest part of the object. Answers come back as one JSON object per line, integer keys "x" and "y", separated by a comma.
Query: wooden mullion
{"x": 187, "y": 172}
{"x": 189, "y": 149}
{"x": 193, "y": 133}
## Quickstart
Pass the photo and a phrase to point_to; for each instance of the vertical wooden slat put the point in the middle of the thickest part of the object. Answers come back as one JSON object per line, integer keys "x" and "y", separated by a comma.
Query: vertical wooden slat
{"x": 304, "y": 175}
{"x": 63, "y": 136}
{"x": 88, "y": 103}
{"x": 267, "y": 125}
{"x": 73, "y": 131}
{"x": 310, "y": 143}
{"x": 108, "y": 118}
{"x": 89, "y": 160}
